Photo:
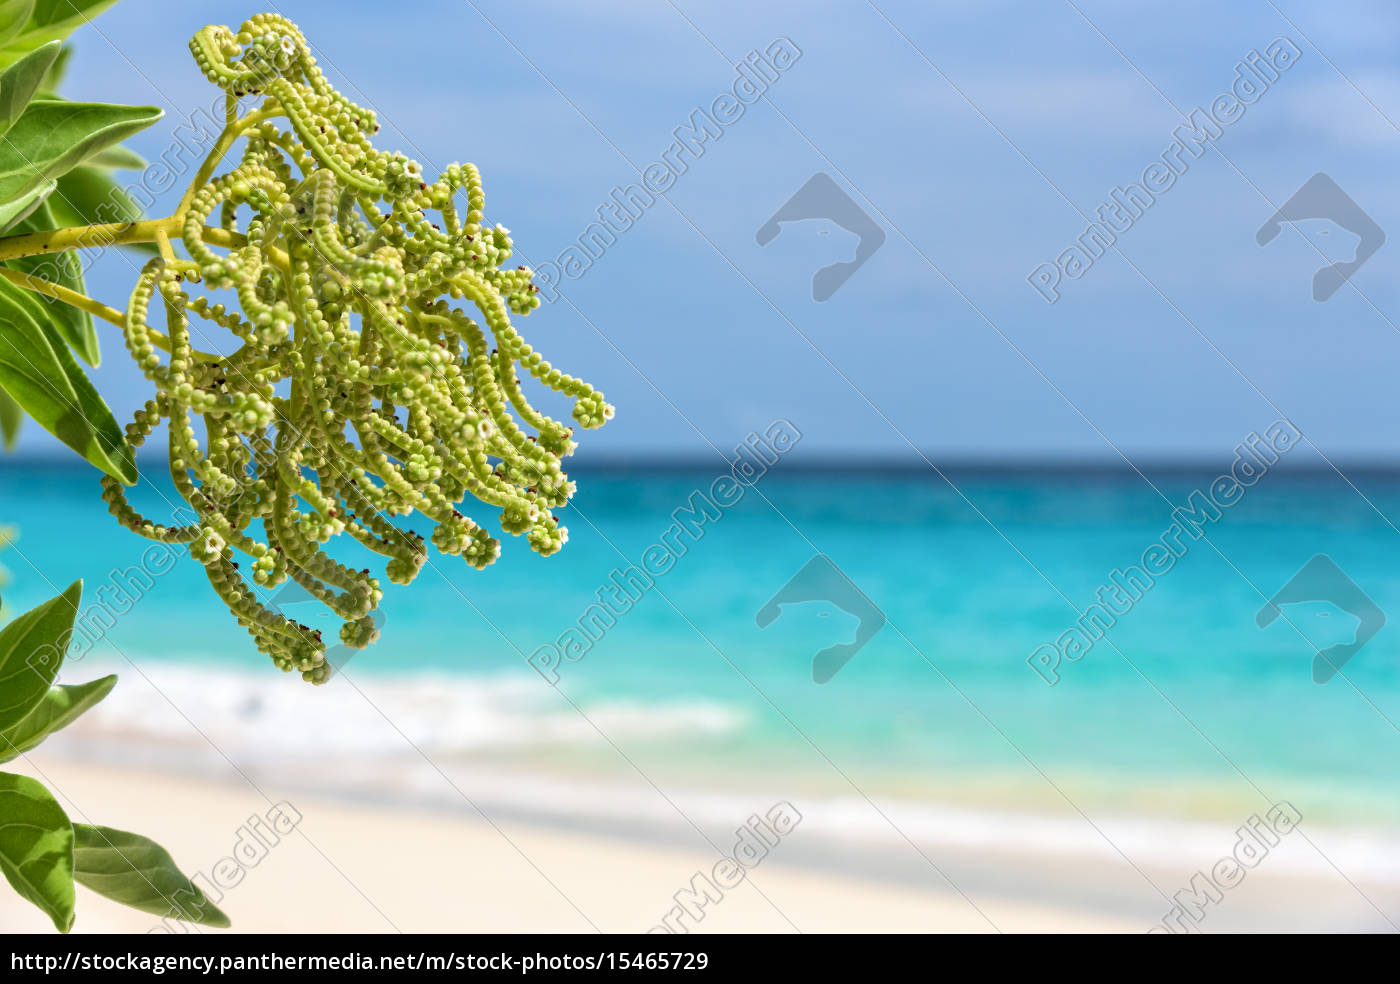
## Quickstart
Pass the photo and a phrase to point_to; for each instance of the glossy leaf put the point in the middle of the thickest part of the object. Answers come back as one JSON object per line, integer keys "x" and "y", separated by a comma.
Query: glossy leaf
{"x": 14, "y": 15}
{"x": 15, "y": 210}
{"x": 54, "y": 136}
{"x": 31, "y": 650}
{"x": 53, "y": 20}
{"x": 59, "y": 708}
{"x": 21, "y": 81}
{"x": 53, "y": 78}
{"x": 87, "y": 195}
{"x": 138, "y": 872}
{"x": 36, "y": 847}
{"x": 63, "y": 268}
{"x": 11, "y": 418}
{"x": 118, "y": 157}
{"x": 37, "y": 369}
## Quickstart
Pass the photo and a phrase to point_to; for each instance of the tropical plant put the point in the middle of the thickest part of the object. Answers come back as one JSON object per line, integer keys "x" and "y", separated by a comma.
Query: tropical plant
{"x": 56, "y": 159}
{"x": 43, "y": 854}
{"x": 355, "y": 392}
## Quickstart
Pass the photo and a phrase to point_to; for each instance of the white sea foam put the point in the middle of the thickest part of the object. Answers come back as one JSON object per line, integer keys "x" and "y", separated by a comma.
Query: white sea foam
{"x": 256, "y": 714}
{"x": 438, "y": 738}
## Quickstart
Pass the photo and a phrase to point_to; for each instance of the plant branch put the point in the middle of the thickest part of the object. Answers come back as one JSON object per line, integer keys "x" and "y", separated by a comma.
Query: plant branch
{"x": 60, "y": 293}
{"x": 93, "y": 307}
{"x": 83, "y": 237}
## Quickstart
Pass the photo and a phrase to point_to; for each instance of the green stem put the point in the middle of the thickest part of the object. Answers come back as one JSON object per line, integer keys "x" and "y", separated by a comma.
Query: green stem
{"x": 234, "y": 129}
{"x": 167, "y": 252}
{"x": 85, "y": 237}
{"x": 150, "y": 230}
{"x": 93, "y": 307}
{"x": 60, "y": 293}
{"x": 159, "y": 231}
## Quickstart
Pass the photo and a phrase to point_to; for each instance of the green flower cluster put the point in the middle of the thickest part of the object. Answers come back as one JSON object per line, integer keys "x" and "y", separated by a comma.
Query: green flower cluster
{"x": 359, "y": 392}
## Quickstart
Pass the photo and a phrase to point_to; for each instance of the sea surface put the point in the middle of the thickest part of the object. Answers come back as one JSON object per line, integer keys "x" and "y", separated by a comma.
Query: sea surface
{"x": 1186, "y": 712}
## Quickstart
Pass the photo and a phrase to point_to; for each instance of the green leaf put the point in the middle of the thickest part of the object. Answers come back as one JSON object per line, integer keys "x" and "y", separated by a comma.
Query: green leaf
{"x": 54, "y": 136}
{"x": 64, "y": 268}
{"x": 31, "y": 650}
{"x": 93, "y": 198}
{"x": 20, "y": 81}
{"x": 11, "y": 417}
{"x": 37, "y": 369}
{"x": 53, "y": 20}
{"x": 59, "y": 708}
{"x": 53, "y": 78}
{"x": 118, "y": 157}
{"x": 18, "y": 208}
{"x": 36, "y": 847}
{"x": 138, "y": 872}
{"x": 14, "y": 14}
{"x": 87, "y": 195}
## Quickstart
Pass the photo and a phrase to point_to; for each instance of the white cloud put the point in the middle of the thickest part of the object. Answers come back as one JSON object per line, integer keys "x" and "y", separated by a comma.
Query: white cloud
{"x": 1334, "y": 108}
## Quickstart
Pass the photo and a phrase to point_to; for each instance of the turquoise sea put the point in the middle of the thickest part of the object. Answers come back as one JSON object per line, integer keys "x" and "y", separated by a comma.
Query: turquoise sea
{"x": 1186, "y": 711}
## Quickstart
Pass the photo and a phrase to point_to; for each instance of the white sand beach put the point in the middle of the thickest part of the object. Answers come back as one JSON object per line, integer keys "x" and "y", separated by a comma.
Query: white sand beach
{"x": 308, "y": 813}
{"x": 352, "y": 867}
{"x": 349, "y": 865}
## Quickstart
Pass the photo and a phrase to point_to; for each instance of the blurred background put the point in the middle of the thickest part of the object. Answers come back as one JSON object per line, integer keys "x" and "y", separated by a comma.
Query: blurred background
{"x": 980, "y": 427}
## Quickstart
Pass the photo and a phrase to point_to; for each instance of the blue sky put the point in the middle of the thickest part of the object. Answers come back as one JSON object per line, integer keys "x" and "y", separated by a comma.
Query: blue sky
{"x": 974, "y": 134}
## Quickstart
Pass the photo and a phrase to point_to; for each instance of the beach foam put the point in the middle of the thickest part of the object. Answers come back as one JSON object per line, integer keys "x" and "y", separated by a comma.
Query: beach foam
{"x": 484, "y": 744}
{"x": 264, "y": 715}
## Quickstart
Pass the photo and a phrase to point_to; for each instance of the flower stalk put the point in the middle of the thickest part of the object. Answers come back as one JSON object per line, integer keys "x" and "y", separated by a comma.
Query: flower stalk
{"x": 359, "y": 390}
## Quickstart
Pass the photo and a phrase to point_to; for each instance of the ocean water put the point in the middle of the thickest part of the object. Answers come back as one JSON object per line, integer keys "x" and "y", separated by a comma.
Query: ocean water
{"x": 1186, "y": 711}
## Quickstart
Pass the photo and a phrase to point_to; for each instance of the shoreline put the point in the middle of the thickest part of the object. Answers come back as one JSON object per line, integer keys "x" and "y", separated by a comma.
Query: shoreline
{"x": 490, "y": 876}
{"x": 668, "y": 814}
{"x": 571, "y": 871}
